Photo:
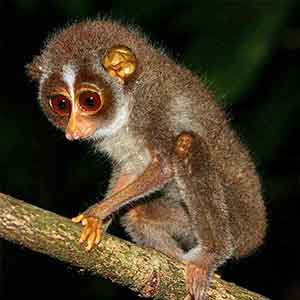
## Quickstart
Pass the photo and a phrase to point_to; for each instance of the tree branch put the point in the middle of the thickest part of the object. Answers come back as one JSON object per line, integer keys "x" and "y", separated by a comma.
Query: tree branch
{"x": 145, "y": 271}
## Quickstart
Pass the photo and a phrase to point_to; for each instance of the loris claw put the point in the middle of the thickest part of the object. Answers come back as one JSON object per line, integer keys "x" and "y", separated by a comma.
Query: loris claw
{"x": 100, "y": 81}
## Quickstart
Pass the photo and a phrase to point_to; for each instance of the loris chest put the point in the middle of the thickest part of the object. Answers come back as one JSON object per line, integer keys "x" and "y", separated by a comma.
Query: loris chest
{"x": 129, "y": 150}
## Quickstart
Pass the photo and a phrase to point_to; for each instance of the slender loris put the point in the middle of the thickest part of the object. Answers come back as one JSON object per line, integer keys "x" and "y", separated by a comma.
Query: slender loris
{"x": 100, "y": 81}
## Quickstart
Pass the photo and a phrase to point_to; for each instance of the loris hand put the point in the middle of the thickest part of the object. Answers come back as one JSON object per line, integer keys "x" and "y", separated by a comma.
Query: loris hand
{"x": 92, "y": 231}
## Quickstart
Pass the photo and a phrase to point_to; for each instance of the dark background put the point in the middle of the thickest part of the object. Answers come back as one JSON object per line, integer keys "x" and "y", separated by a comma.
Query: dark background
{"x": 248, "y": 52}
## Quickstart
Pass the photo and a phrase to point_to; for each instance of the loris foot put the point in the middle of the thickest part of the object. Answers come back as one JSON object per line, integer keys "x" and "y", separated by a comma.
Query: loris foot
{"x": 197, "y": 282}
{"x": 92, "y": 231}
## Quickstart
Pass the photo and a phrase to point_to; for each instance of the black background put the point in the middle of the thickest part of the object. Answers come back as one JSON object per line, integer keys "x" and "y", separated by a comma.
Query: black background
{"x": 248, "y": 52}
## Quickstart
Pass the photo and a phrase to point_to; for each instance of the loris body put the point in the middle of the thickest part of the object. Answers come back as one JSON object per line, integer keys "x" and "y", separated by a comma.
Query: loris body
{"x": 101, "y": 81}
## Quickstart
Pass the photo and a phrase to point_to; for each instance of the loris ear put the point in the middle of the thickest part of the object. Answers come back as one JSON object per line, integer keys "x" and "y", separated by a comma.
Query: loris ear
{"x": 34, "y": 70}
{"x": 120, "y": 61}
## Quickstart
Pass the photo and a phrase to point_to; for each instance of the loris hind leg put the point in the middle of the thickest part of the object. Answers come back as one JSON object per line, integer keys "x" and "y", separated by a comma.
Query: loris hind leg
{"x": 154, "y": 224}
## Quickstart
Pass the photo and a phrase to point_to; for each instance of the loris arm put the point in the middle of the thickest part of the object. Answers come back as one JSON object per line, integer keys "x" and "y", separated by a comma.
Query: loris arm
{"x": 203, "y": 195}
{"x": 127, "y": 189}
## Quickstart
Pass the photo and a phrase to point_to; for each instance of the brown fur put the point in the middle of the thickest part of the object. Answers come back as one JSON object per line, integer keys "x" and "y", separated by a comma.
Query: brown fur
{"x": 213, "y": 201}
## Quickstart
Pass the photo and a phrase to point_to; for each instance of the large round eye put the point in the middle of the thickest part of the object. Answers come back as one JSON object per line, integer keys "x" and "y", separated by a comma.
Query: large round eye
{"x": 90, "y": 101}
{"x": 60, "y": 104}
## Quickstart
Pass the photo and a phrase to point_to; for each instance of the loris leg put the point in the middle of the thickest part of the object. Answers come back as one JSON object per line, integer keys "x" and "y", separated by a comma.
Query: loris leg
{"x": 152, "y": 224}
{"x": 202, "y": 193}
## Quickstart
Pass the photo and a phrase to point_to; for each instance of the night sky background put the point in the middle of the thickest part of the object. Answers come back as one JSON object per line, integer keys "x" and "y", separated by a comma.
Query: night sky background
{"x": 247, "y": 51}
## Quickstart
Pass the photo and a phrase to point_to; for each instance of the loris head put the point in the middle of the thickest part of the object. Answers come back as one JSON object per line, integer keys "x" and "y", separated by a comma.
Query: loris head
{"x": 86, "y": 74}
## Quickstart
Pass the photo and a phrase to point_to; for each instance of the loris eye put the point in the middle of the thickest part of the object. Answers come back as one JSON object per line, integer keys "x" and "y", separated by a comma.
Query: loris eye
{"x": 90, "y": 101}
{"x": 60, "y": 104}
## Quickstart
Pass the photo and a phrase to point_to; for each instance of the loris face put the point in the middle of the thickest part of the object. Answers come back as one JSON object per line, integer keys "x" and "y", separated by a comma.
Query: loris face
{"x": 78, "y": 101}
{"x": 81, "y": 88}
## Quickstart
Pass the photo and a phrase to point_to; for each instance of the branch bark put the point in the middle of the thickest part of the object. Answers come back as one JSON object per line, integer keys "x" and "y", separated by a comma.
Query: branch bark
{"x": 145, "y": 271}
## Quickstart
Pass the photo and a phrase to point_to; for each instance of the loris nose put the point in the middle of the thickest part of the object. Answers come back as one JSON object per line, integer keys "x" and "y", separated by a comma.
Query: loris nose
{"x": 72, "y": 136}
{"x": 72, "y": 131}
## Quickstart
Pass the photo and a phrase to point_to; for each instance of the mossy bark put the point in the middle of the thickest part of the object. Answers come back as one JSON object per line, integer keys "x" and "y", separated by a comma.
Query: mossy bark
{"x": 146, "y": 271}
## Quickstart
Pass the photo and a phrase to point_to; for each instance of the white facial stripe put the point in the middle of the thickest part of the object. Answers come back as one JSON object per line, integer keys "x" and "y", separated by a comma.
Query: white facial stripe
{"x": 69, "y": 76}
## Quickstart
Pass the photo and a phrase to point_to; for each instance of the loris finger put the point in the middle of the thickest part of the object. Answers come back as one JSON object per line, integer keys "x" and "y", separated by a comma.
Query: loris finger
{"x": 98, "y": 236}
{"x": 78, "y": 219}
{"x": 85, "y": 233}
{"x": 91, "y": 241}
